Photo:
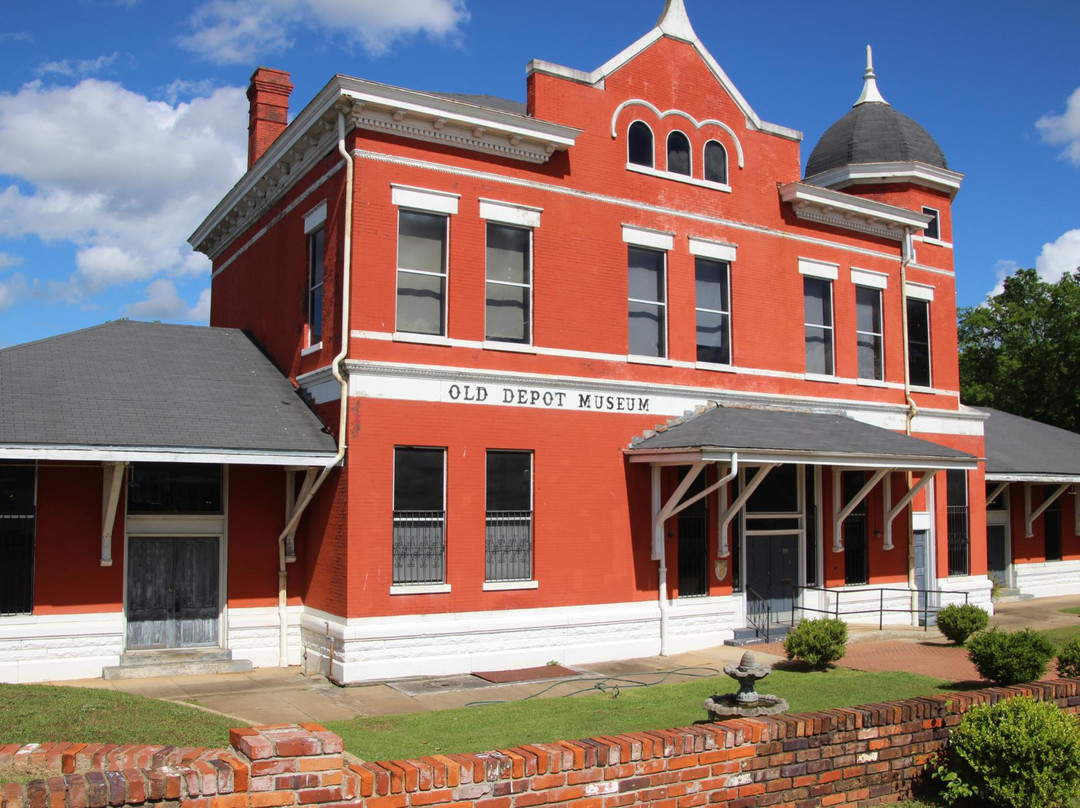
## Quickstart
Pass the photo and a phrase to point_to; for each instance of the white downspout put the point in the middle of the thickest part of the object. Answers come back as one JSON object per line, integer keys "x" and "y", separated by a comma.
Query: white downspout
{"x": 913, "y": 410}
{"x": 335, "y": 367}
{"x": 660, "y": 555}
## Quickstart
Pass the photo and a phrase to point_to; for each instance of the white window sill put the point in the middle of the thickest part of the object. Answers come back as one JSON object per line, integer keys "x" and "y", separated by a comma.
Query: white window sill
{"x": 715, "y": 367}
{"x": 421, "y": 339}
{"x": 420, "y": 589}
{"x": 308, "y": 351}
{"x": 635, "y": 359}
{"x": 870, "y": 383}
{"x": 508, "y": 586}
{"x": 821, "y": 377}
{"x": 936, "y": 242}
{"x": 928, "y": 390}
{"x": 509, "y": 347}
{"x": 671, "y": 175}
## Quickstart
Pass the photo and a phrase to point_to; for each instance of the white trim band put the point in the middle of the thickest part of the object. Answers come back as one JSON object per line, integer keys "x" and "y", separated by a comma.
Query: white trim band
{"x": 406, "y": 196}
{"x": 869, "y": 278}
{"x": 507, "y": 213}
{"x": 819, "y": 269}
{"x": 643, "y": 237}
{"x": 712, "y": 249}
{"x": 919, "y": 291}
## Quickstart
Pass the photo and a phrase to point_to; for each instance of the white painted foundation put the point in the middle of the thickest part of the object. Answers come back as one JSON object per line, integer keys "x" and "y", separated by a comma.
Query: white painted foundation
{"x": 43, "y": 648}
{"x": 1047, "y": 579}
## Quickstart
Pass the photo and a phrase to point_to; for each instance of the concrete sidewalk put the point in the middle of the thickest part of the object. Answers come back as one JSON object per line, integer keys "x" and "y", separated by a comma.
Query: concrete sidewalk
{"x": 280, "y": 695}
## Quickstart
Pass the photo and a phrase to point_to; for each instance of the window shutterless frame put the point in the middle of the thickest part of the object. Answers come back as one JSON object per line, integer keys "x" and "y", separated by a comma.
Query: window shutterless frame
{"x": 422, "y": 272}
{"x": 509, "y": 516}
{"x": 640, "y": 145}
{"x": 508, "y": 288}
{"x": 316, "y": 276}
{"x": 919, "y": 364}
{"x": 933, "y": 230}
{"x": 419, "y": 516}
{"x": 716, "y": 163}
{"x": 713, "y": 310}
{"x": 818, "y": 306}
{"x": 679, "y": 156}
{"x": 869, "y": 333}
{"x": 647, "y": 302}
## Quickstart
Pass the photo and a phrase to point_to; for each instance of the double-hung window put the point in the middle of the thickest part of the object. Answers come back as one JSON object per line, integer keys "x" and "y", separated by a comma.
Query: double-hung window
{"x": 316, "y": 254}
{"x": 419, "y": 516}
{"x": 423, "y": 259}
{"x": 17, "y": 521}
{"x": 647, "y": 265}
{"x": 869, "y": 328}
{"x": 933, "y": 230}
{"x": 712, "y": 302}
{"x": 509, "y": 533}
{"x": 818, "y": 280}
{"x": 918, "y": 324}
{"x": 508, "y": 286}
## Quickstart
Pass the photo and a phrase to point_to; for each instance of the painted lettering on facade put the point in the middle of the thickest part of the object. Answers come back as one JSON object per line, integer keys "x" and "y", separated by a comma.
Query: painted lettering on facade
{"x": 544, "y": 398}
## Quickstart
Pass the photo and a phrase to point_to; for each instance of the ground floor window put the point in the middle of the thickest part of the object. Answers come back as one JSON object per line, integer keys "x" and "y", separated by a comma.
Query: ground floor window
{"x": 1052, "y": 525}
{"x": 856, "y": 555}
{"x": 17, "y": 521}
{"x": 957, "y": 502}
{"x": 419, "y": 516}
{"x": 508, "y": 530}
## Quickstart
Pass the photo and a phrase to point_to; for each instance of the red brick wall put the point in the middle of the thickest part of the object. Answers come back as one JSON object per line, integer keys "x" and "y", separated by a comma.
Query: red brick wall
{"x": 867, "y": 755}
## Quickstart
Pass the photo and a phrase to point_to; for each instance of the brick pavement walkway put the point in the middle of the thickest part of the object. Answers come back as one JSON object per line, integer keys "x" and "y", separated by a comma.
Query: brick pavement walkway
{"x": 938, "y": 659}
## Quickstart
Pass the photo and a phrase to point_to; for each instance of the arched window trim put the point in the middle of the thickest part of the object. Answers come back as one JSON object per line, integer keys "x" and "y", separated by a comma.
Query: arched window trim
{"x": 689, "y": 153}
{"x": 652, "y": 144}
{"x": 705, "y": 162}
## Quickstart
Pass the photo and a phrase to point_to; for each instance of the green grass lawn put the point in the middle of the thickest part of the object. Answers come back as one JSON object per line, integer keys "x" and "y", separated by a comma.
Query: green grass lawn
{"x": 1061, "y": 634}
{"x": 501, "y": 726}
{"x": 43, "y": 713}
{"x": 1071, "y": 610}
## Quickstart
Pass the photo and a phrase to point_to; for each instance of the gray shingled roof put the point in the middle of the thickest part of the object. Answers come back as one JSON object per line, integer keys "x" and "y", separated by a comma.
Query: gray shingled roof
{"x": 874, "y": 133}
{"x": 1020, "y": 446}
{"x": 128, "y": 385}
{"x": 488, "y": 101}
{"x": 798, "y": 434}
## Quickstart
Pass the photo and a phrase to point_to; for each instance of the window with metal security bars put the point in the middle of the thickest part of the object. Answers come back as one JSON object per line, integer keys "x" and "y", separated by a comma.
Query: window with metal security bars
{"x": 856, "y": 555}
{"x": 509, "y": 523}
{"x": 17, "y": 522}
{"x": 419, "y": 541}
{"x": 957, "y": 508}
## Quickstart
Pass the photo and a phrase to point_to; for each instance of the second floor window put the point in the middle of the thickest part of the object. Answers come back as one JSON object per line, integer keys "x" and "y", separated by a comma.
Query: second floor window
{"x": 868, "y": 331}
{"x": 509, "y": 283}
{"x": 316, "y": 256}
{"x": 817, "y": 299}
{"x": 933, "y": 230}
{"x": 713, "y": 311}
{"x": 648, "y": 323}
{"x": 422, "y": 272}
{"x": 918, "y": 314}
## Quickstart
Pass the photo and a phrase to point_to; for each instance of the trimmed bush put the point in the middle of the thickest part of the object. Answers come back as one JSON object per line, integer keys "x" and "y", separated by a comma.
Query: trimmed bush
{"x": 1019, "y": 752}
{"x": 1010, "y": 657}
{"x": 958, "y": 621}
{"x": 1068, "y": 663}
{"x": 817, "y": 642}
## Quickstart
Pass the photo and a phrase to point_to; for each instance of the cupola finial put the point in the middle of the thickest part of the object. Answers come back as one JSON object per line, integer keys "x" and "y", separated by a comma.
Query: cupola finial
{"x": 675, "y": 22}
{"x": 870, "y": 92}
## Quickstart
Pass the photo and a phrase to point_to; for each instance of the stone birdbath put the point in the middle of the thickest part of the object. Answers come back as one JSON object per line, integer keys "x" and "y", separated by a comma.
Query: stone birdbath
{"x": 747, "y": 702}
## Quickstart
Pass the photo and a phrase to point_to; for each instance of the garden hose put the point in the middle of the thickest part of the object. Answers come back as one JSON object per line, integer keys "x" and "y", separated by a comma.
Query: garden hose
{"x": 611, "y": 686}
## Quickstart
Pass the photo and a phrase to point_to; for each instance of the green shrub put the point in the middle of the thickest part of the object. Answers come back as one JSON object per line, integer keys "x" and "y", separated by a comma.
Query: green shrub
{"x": 1010, "y": 657}
{"x": 958, "y": 621}
{"x": 817, "y": 642}
{"x": 1019, "y": 753}
{"x": 1068, "y": 663}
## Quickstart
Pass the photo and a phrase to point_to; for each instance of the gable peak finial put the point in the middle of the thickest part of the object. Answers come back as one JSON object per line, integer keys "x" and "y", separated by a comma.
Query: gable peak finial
{"x": 870, "y": 92}
{"x": 675, "y": 22}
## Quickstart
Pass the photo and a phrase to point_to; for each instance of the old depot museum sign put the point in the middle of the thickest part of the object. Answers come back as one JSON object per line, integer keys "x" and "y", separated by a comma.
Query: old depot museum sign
{"x": 544, "y": 397}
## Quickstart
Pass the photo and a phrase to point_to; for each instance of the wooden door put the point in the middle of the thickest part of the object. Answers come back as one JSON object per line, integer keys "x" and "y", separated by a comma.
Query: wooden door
{"x": 173, "y": 592}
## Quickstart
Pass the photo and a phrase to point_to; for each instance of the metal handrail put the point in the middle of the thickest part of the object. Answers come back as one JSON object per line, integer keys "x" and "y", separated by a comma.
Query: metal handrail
{"x": 758, "y": 607}
{"x": 862, "y": 591}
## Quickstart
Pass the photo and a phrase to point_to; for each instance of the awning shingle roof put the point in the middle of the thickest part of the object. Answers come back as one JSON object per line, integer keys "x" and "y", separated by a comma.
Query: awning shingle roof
{"x": 149, "y": 386}
{"x": 1018, "y": 446}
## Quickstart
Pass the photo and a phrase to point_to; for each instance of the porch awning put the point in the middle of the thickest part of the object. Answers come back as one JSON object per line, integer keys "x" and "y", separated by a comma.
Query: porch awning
{"x": 786, "y": 436}
{"x": 1019, "y": 450}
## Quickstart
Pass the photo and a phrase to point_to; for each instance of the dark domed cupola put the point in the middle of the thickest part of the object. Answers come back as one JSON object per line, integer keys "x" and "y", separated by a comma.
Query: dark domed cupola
{"x": 873, "y": 132}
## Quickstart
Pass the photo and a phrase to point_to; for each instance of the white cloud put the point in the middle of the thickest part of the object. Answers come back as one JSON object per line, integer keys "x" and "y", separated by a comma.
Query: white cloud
{"x": 1064, "y": 129}
{"x": 1059, "y": 257}
{"x": 239, "y": 31}
{"x": 163, "y": 302}
{"x": 8, "y": 260}
{"x": 12, "y": 291}
{"x": 77, "y": 68}
{"x": 17, "y": 36}
{"x": 127, "y": 191}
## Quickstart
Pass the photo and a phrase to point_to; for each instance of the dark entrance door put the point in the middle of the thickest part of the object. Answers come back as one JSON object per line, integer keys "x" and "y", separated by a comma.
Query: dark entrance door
{"x": 772, "y": 569}
{"x": 172, "y": 592}
{"x": 996, "y": 559}
{"x": 694, "y": 545}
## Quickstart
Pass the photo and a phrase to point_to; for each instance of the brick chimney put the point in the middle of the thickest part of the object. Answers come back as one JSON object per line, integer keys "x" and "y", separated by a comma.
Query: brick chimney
{"x": 268, "y": 110}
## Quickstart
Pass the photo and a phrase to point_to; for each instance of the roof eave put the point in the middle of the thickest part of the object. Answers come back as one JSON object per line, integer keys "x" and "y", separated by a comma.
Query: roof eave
{"x": 163, "y": 454}
{"x": 715, "y": 454}
{"x": 837, "y": 209}
{"x": 935, "y": 177}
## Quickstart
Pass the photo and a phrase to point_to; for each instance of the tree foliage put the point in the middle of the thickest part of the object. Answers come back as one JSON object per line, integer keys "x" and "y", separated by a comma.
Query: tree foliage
{"x": 1020, "y": 351}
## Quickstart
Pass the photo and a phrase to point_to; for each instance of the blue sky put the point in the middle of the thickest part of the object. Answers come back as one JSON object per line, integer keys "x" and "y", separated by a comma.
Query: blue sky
{"x": 122, "y": 122}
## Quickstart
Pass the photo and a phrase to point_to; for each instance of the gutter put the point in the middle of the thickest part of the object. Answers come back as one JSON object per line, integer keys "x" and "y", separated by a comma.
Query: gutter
{"x": 906, "y": 256}
{"x": 337, "y": 368}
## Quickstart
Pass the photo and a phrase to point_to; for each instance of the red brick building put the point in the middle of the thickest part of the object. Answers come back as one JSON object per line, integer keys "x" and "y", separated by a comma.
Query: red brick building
{"x": 607, "y": 375}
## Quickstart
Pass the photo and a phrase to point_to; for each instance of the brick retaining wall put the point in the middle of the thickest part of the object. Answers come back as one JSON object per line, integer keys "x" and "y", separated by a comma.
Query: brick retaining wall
{"x": 866, "y": 755}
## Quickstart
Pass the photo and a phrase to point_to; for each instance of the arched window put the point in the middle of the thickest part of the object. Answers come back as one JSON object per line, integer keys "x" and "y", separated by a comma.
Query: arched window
{"x": 678, "y": 153}
{"x": 715, "y": 162}
{"x": 640, "y": 145}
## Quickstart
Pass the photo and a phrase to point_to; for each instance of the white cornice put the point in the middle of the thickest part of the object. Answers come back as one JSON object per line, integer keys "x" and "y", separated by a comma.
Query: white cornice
{"x": 837, "y": 209}
{"x": 940, "y": 179}
{"x": 670, "y": 25}
{"x": 377, "y": 107}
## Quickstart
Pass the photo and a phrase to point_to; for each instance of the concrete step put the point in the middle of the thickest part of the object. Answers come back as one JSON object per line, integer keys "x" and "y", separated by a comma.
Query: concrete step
{"x": 1011, "y": 596}
{"x": 180, "y": 662}
{"x": 750, "y": 636}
